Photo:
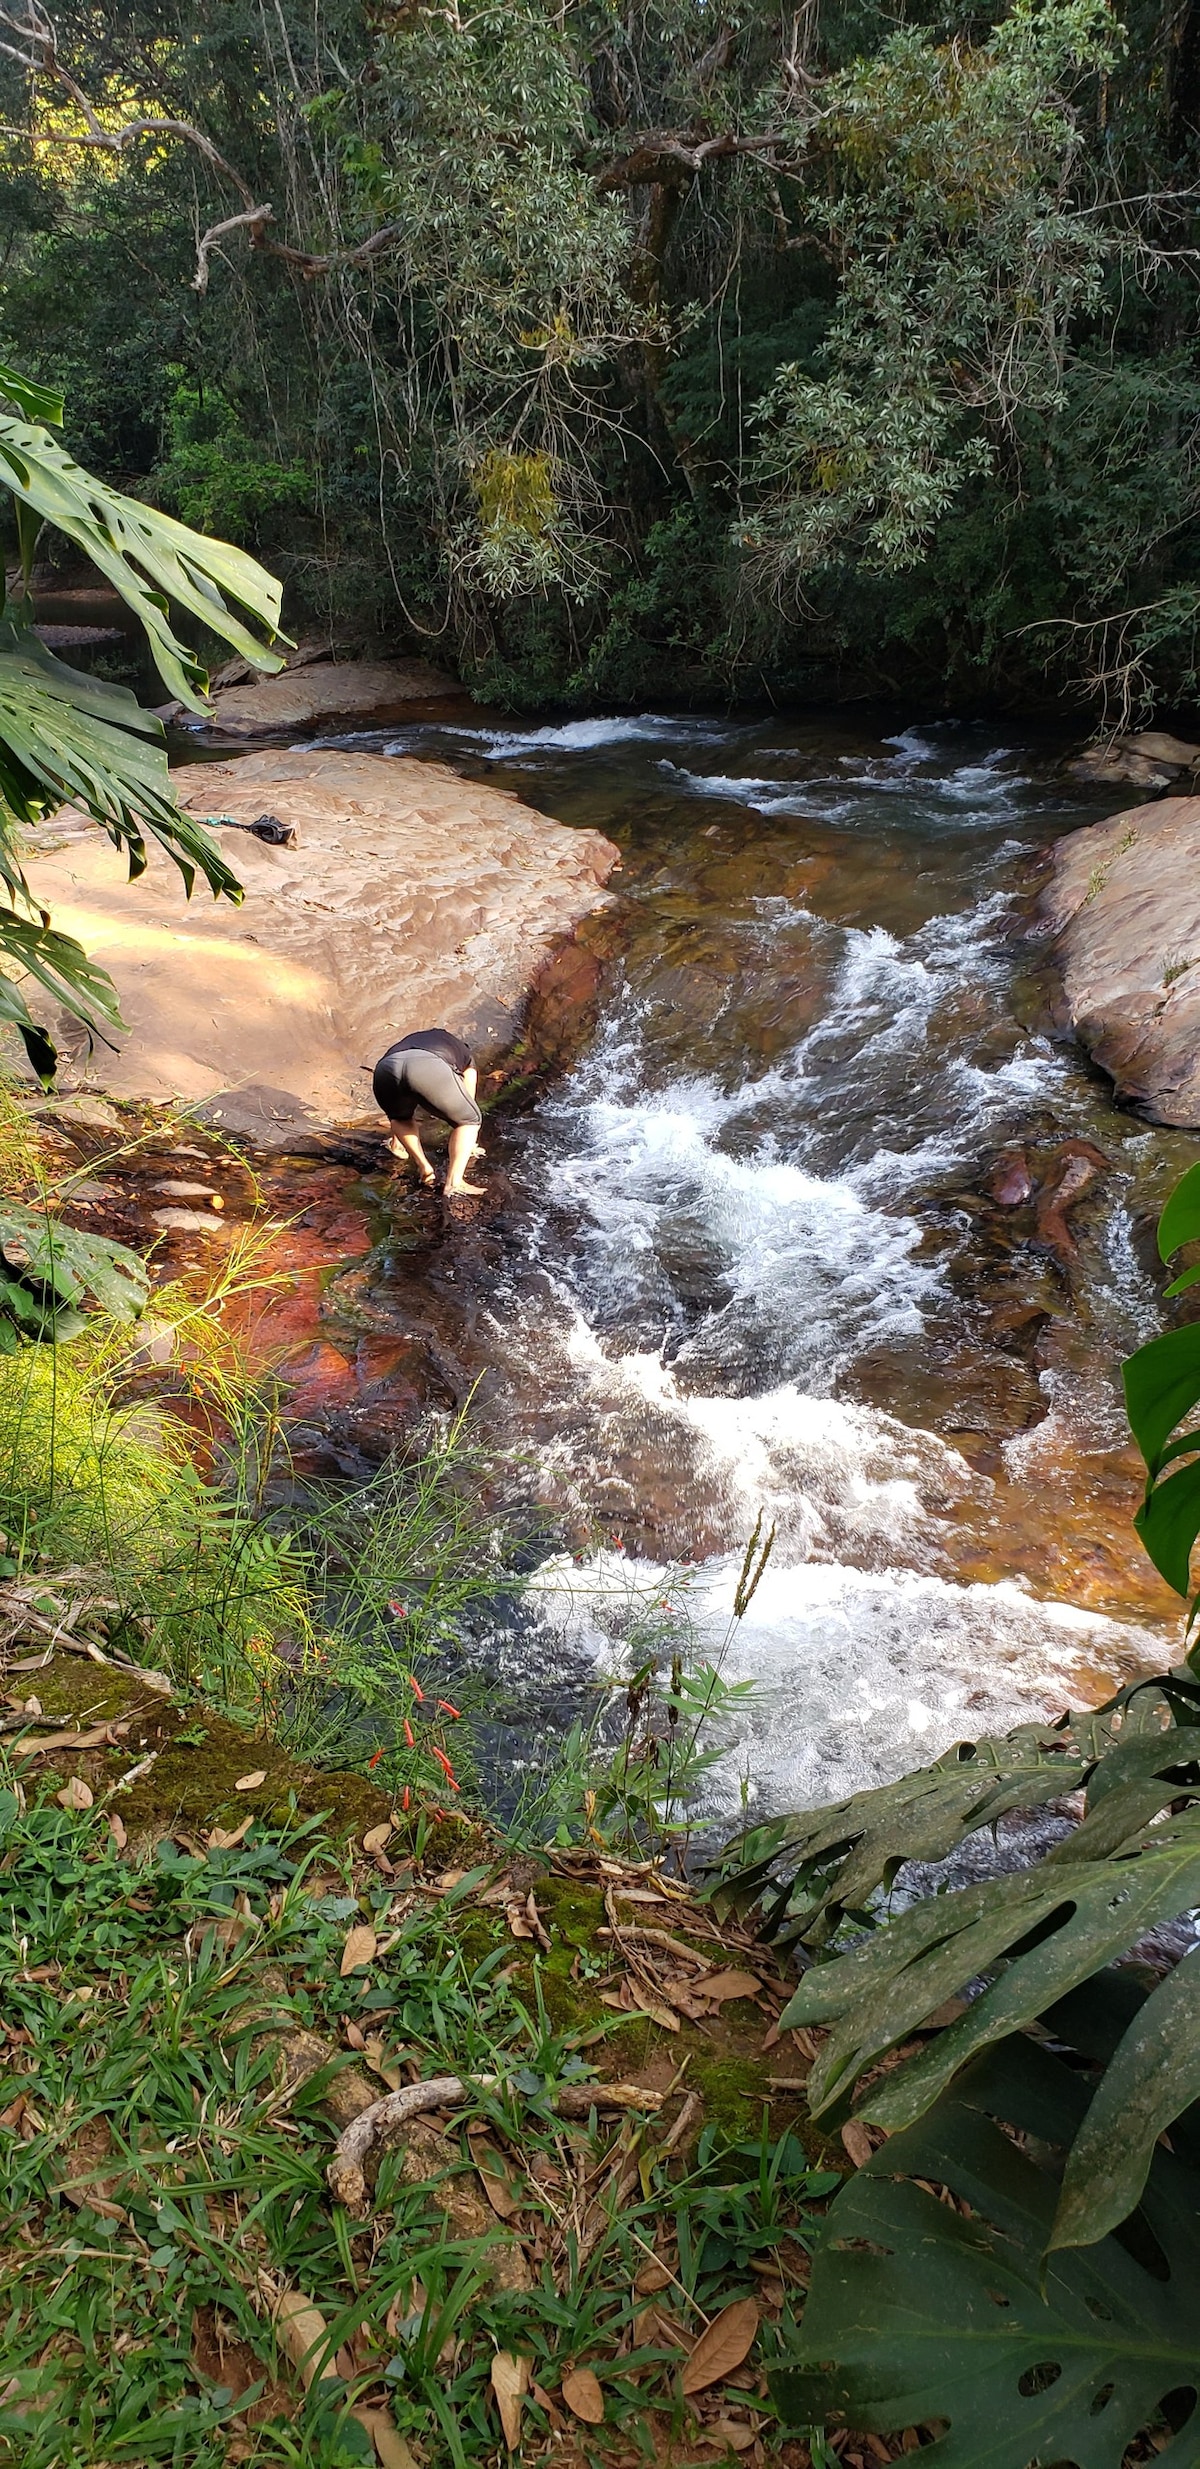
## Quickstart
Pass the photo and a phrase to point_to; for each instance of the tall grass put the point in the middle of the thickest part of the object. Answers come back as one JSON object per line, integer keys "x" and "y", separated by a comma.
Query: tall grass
{"x": 154, "y": 1459}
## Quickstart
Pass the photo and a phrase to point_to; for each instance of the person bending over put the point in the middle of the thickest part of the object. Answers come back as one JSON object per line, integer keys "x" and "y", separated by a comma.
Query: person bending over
{"x": 432, "y": 1068}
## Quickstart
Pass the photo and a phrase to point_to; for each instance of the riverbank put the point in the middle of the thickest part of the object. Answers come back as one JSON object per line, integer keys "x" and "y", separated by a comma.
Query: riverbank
{"x": 379, "y": 896}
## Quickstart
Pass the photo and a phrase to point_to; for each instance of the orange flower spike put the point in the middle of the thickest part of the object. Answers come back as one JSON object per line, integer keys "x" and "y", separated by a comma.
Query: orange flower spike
{"x": 444, "y": 1707}
{"x": 416, "y": 1688}
{"x": 374, "y": 1761}
{"x": 447, "y": 1768}
{"x": 409, "y": 1742}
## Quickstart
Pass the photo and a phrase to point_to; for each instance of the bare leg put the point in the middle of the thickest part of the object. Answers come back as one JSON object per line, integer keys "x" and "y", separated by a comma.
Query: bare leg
{"x": 463, "y": 1145}
{"x": 406, "y": 1142}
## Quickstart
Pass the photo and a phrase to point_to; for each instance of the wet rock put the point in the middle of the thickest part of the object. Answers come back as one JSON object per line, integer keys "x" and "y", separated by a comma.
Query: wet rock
{"x": 1149, "y": 759}
{"x": 1009, "y": 1181}
{"x": 413, "y": 897}
{"x": 1123, "y": 904}
{"x": 1075, "y": 1167}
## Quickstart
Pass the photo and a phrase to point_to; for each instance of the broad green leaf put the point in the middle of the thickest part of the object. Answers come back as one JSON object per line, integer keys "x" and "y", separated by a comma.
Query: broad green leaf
{"x": 841, "y": 1853}
{"x": 61, "y": 966}
{"x": 1169, "y": 1522}
{"x": 74, "y": 1265}
{"x": 1153, "y": 2076}
{"x": 1079, "y": 1916}
{"x": 1179, "y": 1285}
{"x": 150, "y": 559}
{"x": 917, "y": 2313}
{"x": 1180, "y": 1219}
{"x": 1162, "y": 1384}
{"x": 67, "y": 736}
{"x": 42, "y": 404}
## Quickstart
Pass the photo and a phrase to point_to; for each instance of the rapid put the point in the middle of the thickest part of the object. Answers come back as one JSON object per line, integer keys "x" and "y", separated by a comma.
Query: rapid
{"x": 742, "y": 1256}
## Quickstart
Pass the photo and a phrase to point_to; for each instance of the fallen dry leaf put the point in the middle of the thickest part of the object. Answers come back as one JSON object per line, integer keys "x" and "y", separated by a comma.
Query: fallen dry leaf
{"x": 721, "y": 1985}
{"x": 510, "y": 2382}
{"x": 75, "y": 1795}
{"x": 118, "y": 1830}
{"x": 359, "y": 1948}
{"x": 373, "y": 2051}
{"x": 390, "y": 2447}
{"x": 223, "y": 1838}
{"x": 377, "y": 1838}
{"x": 536, "y": 1923}
{"x": 494, "y": 2179}
{"x": 653, "y": 2275}
{"x": 100, "y": 1736}
{"x": 250, "y": 1783}
{"x": 583, "y": 2396}
{"x": 857, "y": 2141}
{"x": 732, "y": 2431}
{"x": 304, "y": 2333}
{"x": 729, "y": 2339}
{"x": 517, "y": 1920}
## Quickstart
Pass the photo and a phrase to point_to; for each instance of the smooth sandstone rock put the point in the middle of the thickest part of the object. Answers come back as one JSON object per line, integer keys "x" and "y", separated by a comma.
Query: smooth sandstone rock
{"x": 1124, "y": 905}
{"x": 303, "y": 697}
{"x": 410, "y": 897}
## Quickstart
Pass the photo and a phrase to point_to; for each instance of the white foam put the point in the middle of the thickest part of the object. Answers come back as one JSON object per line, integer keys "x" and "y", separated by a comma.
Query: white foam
{"x": 860, "y": 1674}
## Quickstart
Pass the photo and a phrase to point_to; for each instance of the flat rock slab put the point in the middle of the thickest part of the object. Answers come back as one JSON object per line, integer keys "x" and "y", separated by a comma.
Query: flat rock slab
{"x": 1124, "y": 904}
{"x": 325, "y": 690}
{"x": 409, "y": 898}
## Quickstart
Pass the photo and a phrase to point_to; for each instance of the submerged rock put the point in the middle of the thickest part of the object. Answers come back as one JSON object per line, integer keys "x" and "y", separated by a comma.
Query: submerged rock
{"x": 1123, "y": 903}
{"x": 409, "y": 896}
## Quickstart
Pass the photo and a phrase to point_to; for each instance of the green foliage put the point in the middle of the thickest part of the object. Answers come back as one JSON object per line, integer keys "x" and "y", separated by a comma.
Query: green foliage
{"x": 47, "y": 1270}
{"x": 894, "y": 323}
{"x": 216, "y": 476}
{"x": 933, "y": 2315}
{"x": 1162, "y": 1390}
{"x": 64, "y": 735}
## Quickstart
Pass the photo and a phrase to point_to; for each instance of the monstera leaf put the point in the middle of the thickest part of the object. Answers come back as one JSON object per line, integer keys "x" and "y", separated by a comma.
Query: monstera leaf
{"x": 67, "y": 736}
{"x": 919, "y": 2314}
{"x": 64, "y": 735}
{"x": 807, "y": 1872}
{"x": 47, "y": 1270}
{"x": 60, "y": 965}
{"x": 149, "y": 559}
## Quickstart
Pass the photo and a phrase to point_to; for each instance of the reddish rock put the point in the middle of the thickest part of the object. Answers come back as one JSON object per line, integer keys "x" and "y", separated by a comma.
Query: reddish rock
{"x": 1010, "y": 1181}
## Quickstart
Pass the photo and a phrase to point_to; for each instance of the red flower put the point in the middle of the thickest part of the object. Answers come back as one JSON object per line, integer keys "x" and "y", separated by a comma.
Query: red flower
{"x": 444, "y": 1707}
{"x": 408, "y": 1734}
{"x": 447, "y": 1769}
{"x": 374, "y": 1761}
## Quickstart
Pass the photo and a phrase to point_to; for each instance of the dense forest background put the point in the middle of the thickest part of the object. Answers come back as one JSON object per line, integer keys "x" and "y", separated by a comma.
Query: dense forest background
{"x": 642, "y": 349}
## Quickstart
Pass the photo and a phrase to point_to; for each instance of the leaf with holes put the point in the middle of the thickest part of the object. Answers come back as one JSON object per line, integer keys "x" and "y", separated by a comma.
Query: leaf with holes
{"x": 917, "y": 2312}
{"x": 809, "y": 1869}
{"x": 1035, "y": 1936}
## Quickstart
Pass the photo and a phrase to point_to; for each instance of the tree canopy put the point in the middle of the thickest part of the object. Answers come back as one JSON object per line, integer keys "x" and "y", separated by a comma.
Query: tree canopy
{"x": 610, "y": 348}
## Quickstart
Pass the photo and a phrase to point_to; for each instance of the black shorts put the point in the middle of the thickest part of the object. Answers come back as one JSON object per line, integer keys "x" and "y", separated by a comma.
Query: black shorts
{"x": 413, "y": 1078}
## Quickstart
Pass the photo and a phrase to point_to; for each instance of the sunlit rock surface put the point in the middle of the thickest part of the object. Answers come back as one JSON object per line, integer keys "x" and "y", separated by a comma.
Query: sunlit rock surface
{"x": 408, "y": 897}
{"x": 1123, "y": 903}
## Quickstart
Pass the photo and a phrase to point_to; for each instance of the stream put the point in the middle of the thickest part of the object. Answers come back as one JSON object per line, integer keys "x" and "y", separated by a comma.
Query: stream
{"x": 742, "y": 1256}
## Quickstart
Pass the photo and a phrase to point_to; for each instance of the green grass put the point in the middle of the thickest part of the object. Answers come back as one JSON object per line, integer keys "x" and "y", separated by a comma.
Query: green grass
{"x": 144, "y": 2009}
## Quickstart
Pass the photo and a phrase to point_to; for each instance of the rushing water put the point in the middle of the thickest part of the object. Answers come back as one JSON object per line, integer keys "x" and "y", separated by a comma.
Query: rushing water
{"x": 742, "y": 1257}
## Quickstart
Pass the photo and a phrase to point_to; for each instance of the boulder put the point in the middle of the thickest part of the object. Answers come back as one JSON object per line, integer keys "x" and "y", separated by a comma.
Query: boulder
{"x": 309, "y": 695}
{"x": 1123, "y": 903}
{"x": 408, "y": 897}
{"x": 1151, "y": 759}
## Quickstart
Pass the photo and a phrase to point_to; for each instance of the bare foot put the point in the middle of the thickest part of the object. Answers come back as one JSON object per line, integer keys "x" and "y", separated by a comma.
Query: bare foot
{"x": 455, "y": 1191}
